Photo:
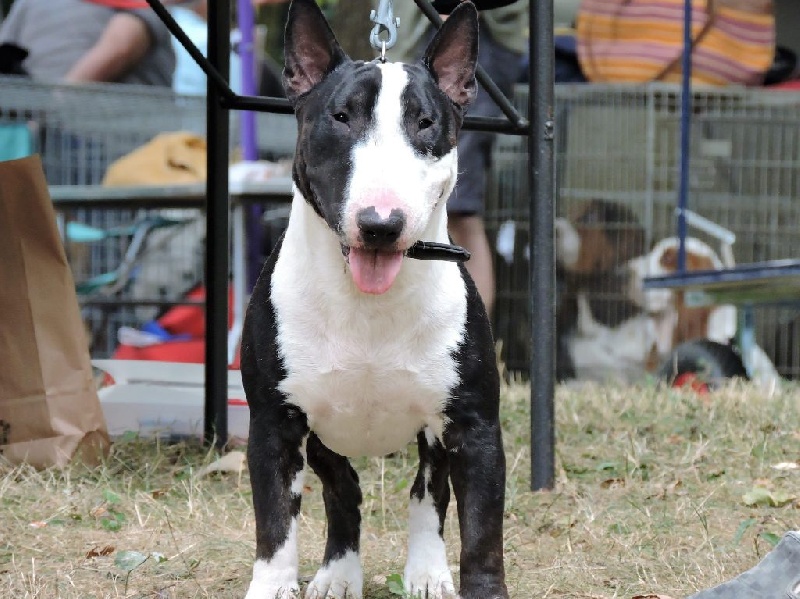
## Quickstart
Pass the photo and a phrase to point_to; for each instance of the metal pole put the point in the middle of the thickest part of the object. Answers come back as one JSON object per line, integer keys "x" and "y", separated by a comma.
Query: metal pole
{"x": 686, "y": 121}
{"x": 541, "y": 109}
{"x": 513, "y": 124}
{"x": 247, "y": 119}
{"x": 247, "y": 127}
{"x": 217, "y": 223}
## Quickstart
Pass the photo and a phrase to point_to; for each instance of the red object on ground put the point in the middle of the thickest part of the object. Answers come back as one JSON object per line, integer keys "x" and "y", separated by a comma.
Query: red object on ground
{"x": 691, "y": 382}
{"x": 179, "y": 320}
{"x": 191, "y": 320}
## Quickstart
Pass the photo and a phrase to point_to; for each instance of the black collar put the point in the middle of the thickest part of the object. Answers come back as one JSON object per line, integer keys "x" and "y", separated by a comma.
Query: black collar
{"x": 431, "y": 250}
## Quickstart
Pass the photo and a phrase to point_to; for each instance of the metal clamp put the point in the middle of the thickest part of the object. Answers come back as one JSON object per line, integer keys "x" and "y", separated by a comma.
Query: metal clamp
{"x": 385, "y": 22}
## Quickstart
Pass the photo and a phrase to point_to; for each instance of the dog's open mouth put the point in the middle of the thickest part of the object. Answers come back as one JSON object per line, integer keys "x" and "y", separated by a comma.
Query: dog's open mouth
{"x": 373, "y": 271}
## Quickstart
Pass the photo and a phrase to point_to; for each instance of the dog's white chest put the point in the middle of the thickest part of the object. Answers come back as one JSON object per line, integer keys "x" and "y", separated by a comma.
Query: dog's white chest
{"x": 366, "y": 409}
{"x": 368, "y": 371}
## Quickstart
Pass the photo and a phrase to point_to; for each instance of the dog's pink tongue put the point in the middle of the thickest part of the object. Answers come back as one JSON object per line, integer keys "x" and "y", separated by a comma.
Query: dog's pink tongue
{"x": 374, "y": 272}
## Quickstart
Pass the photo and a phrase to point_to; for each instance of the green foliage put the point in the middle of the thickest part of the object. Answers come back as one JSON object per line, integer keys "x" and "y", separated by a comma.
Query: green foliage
{"x": 128, "y": 561}
{"x": 110, "y": 496}
{"x": 765, "y": 497}
{"x": 395, "y": 585}
{"x": 743, "y": 528}
{"x": 113, "y": 521}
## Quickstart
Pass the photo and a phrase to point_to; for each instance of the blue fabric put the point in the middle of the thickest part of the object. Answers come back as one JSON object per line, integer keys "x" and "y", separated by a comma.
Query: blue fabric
{"x": 189, "y": 78}
{"x": 16, "y": 141}
{"x": 81, "y": 233}
{"x": 153, "y": 328}
{"x": 566, "y": 64}
{"x": 567, "y": 67}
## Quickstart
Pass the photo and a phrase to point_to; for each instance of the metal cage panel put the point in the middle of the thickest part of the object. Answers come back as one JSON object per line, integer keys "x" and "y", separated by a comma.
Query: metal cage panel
{"x": 620, "y": 144}
{"x": 78, "y": 132}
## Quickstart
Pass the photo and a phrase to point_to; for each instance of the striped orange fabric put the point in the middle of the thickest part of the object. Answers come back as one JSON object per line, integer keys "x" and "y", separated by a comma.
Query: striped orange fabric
{"x": 637, "y": 41}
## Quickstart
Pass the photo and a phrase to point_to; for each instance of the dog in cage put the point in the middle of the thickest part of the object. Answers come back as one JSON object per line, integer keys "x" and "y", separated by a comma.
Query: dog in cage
{"x": 609, "y": 327}
{"x": 594, "y": 310}
{"x": 674, "y": 327}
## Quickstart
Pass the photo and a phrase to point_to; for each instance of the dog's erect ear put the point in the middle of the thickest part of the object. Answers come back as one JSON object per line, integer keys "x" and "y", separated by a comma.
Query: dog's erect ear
{"x": 453, "y": 55}
{"x": 310, "y": 48}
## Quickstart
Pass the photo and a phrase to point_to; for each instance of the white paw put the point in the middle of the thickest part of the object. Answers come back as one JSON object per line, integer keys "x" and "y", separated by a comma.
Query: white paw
{"x": 277, "y": 578}
{"x": 430, "y": 584}
{"x": 426, "y": 574}
{"x": 340, "y": 579}
{"x": 262, "y": 590}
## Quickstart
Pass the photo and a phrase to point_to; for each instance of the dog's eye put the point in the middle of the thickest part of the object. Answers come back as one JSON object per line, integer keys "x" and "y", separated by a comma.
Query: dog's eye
{"x": 341, "y": 117}
{"x": 424, "y": 123}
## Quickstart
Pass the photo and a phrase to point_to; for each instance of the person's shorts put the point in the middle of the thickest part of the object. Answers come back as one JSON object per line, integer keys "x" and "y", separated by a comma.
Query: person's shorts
{"x": 475, "y": 147}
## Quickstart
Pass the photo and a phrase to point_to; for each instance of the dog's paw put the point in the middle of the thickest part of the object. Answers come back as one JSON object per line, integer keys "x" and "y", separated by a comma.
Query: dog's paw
{"x": 339, "y": 579}
{"x": 427, "y": 574}
{"x": 429, "y": 584}
{"x": 263, "y": 590}
{"x": 276, "y": 578}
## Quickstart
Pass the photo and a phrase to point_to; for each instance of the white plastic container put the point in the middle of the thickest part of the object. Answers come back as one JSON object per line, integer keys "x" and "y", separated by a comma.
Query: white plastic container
{"x": 165, "y": 399}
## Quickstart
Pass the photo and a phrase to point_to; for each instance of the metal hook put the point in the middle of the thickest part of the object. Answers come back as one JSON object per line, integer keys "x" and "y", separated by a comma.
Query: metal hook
{"x": 385, "y": 21}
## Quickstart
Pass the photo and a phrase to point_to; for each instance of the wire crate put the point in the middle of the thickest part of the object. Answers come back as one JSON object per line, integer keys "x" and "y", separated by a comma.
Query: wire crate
{"x": 620, "y": 145}
{"x": 78, "y": 132}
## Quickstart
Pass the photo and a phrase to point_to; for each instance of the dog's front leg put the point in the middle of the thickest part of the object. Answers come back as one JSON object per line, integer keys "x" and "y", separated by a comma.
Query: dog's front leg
{"x": 427, "y": 573}
{"x": 275, "y": 458}
{"x": 340, "y": 576}
{"x": 477, "y": 471}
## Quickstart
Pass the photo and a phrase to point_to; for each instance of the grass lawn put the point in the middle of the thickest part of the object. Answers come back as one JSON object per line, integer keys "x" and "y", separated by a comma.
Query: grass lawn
{"x": 658, "y": 491}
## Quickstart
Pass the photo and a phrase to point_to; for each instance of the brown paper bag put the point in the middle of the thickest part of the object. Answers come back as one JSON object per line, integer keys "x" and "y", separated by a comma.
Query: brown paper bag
{"x": 49, "y": 410}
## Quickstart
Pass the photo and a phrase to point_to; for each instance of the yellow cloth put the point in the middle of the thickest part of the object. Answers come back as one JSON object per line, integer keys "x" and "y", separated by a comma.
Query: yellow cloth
{"x": 169, "y": 158}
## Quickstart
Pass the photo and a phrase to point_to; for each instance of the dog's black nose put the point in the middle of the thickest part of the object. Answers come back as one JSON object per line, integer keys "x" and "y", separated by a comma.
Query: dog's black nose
{"x": 378, "y": 232}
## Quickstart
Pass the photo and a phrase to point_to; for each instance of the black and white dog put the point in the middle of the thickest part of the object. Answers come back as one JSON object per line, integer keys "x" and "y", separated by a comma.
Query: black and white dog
{"x": 352, "y": 346}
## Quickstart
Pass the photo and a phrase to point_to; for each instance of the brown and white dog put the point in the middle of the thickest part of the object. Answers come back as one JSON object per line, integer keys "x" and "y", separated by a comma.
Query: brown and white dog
{"x": 592, "y": 252}
{"x": 716, "y": 323}
{"x": 674, "y": 322}
{"x": 609, "y": 327}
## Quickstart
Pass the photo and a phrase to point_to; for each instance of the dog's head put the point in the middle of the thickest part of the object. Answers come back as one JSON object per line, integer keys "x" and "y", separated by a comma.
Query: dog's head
{"x": 663, "y": 260}
{"x": 376, "y": 150}
{"x": 717, "y": 323}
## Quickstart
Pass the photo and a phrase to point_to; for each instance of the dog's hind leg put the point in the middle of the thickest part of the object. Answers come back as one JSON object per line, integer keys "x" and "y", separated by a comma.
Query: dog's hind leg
{"x": 275, "y": 459}
{"x": 427, "y": 573}
{"x": 340, "y": 575}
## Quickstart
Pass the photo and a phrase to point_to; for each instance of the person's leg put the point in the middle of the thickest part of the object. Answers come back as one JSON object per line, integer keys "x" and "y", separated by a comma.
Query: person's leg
{"x": 469, "y": 232}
